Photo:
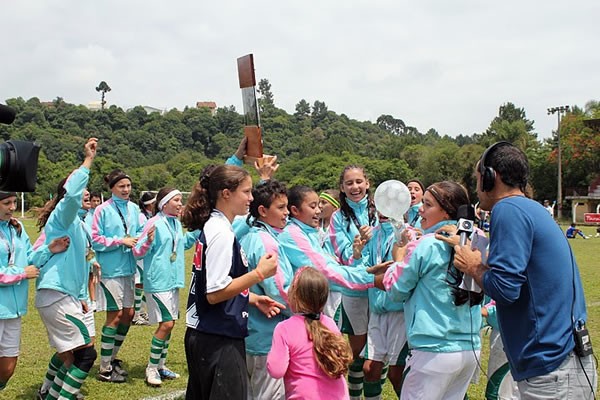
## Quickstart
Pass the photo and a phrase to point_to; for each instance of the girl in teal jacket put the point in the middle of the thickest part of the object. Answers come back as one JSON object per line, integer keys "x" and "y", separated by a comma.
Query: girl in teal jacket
{"x": 442, "y": 326}
{"x": 162, "y": 246}
{"x": 18, "y": 262}
{"x": 269, "y": 212}
{"x": 356, "y": 216}
{"x": 115, "y": 229}
{"x": 62, "y": 288}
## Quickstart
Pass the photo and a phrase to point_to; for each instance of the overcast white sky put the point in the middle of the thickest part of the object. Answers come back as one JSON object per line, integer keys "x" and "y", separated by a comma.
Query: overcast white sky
{"x": 438, "y": 64}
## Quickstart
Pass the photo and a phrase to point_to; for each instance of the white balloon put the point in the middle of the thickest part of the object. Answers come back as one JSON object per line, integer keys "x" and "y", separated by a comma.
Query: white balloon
{"x": 392, "y": 199}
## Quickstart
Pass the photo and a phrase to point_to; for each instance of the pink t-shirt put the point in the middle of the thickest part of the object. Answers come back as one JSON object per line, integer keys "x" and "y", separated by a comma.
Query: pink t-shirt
{"x": 292, "y": 358}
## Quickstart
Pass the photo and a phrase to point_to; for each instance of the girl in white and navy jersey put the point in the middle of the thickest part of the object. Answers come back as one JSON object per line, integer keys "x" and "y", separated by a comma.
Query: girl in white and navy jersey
{"x": 217, "y": 309}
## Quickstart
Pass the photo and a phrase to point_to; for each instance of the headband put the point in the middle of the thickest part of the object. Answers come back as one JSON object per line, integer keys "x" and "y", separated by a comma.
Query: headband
{"x": 446, "y": 206}
{"x": 117, "y": 178}
{"x": 5, "y": 195}
{"x": 330, "y": 199}
{"x": 148, "y": 202}
{"x": 168, "y": 197}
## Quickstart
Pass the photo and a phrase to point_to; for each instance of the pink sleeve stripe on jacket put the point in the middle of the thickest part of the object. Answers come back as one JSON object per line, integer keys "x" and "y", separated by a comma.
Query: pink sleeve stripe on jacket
{"x": 319, "y": 262}
{"x": 143, "y": 249}
{"x": 8, "y": 279}
{"x": 96, "y": 237}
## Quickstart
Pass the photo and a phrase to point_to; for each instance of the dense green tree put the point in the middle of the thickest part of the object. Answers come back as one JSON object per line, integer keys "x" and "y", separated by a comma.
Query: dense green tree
{"x": 266, "y": 101}
{"x": 313, "y": 145}
{"x": 103, "y": 88}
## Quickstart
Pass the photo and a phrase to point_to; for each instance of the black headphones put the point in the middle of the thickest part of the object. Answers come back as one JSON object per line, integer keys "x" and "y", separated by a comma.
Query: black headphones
{"x": 488, "y": 175}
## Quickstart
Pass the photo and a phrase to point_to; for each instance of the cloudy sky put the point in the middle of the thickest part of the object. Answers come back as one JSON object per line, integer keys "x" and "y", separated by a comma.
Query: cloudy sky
{"x": 438, "y": 64}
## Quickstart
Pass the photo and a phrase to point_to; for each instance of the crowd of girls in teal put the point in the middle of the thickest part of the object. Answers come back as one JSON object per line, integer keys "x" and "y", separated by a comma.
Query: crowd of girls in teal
{"x": 272, "y": 266}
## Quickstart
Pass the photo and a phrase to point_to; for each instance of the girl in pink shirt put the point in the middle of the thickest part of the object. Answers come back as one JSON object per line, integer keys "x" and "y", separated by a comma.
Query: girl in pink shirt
{"x": 308, "y": 350}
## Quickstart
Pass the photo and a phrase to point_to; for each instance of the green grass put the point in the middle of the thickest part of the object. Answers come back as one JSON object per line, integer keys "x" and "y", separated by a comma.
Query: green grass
{"x": 35, "y": 351}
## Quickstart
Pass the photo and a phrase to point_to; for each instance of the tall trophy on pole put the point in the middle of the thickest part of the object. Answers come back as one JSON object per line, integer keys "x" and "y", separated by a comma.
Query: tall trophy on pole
{"x": 252, "y": 129}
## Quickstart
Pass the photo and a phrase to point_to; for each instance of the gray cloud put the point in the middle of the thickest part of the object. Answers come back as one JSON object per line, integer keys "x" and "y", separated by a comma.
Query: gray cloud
{"x": 442, "y": 65}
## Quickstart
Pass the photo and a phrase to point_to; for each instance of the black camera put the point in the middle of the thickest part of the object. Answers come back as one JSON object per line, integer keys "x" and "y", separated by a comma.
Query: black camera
{"x": 18, "y": 160}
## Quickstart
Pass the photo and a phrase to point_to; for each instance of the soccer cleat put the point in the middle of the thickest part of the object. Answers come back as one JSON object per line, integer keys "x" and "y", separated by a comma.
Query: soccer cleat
{"x": 141, "y": 320}
{"x": 117, "y": 366}
{"x": 153, "y": 377}
{"x": 41, "y": 394}
{"x": 166, "y": 373}
{"x": 110, "y": 376}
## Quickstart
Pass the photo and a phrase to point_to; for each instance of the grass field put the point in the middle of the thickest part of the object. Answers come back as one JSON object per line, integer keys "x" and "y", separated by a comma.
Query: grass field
{"x": 35, "y": 351}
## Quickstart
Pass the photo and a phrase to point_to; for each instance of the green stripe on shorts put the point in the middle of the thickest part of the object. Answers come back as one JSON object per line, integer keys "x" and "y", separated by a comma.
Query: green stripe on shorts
{"x": 165, "y": 314}
{"x": 346, "y": 325}
{"x": 81, "y": 326}
{"x": 111, "y": 303}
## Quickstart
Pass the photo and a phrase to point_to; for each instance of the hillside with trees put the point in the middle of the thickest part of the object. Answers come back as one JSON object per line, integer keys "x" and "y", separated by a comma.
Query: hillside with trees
{"x": 313, "y": 144}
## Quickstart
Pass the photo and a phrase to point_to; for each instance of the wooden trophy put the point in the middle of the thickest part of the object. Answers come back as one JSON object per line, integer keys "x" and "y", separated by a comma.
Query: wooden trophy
{"x": 252, "y": 130}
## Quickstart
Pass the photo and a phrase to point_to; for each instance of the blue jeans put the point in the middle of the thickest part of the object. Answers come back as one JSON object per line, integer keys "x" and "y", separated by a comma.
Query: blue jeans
{"x": 567, "y": 382}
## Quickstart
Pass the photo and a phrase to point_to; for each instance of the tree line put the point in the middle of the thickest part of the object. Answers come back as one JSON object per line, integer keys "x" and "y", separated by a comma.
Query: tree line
{"x": 313, "y": 145}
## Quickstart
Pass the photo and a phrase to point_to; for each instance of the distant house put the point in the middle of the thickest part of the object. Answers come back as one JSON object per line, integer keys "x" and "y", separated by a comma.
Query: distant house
{"x": 149, "y": 109}
{"x": 95, "y": 105}
{"x": 211, "y": 105}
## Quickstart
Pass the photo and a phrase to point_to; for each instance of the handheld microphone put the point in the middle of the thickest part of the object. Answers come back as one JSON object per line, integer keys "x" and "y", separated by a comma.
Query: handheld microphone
{"x": 466, "y": 221}
{"x": 7, "y": 114}
{"x": 466, "y": 225}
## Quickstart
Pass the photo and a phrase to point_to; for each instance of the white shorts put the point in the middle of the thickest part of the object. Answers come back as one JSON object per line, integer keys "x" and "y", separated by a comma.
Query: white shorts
{"x": 334, "y": 300}
{"x": 501, "y": 380}
{"x": 386, "y": 337}
{"x": 10, "y": 337}
{"x": 260, "y": 384}
{"x": 437, "y": 376}
{"x": 355, "y": 315}
{"x": 115, "y": 294}
{"x": 163, "y": 306}
{"x": 68, "y": 327}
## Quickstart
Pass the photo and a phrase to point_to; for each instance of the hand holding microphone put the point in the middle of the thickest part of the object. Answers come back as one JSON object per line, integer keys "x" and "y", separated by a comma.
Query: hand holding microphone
{"x": 465, "y": 228}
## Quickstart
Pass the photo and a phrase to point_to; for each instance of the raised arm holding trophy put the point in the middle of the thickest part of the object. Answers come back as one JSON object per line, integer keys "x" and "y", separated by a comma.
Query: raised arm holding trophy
{"x": 252, "y": 128}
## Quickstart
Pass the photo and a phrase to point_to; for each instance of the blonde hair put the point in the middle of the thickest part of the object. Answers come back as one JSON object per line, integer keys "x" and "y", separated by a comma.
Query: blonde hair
{"x": 307, "y": 295}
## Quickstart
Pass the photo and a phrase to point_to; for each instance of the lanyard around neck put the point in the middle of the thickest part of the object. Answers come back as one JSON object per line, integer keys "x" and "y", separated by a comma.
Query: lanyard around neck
{"x": 10, "y": 246}
{"x": 125, "y": 226}
{"x": 174, "y": 234}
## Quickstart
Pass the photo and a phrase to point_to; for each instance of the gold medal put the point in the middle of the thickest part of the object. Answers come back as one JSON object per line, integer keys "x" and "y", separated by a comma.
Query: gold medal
{"x": 173, "y": 257}
{"x": 90, "y": 255}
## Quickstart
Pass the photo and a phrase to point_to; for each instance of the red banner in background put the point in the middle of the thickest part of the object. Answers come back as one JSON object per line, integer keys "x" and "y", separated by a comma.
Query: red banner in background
{"x": 591, "y": 218}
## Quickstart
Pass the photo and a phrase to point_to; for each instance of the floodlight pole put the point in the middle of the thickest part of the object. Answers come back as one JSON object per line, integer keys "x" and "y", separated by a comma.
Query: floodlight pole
{"x": 559, "y": 111}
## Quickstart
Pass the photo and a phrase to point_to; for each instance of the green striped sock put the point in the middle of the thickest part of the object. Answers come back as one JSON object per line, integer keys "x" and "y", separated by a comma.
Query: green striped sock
{"x": 119, "y": 338}
{"x": 139, "y": 292}
{"x": 372, "y": 390}
{"x": 384, "y": 373}
{"x": 156, "y": 349}
{"x": 53, "y": 367}
{"x": 355, "y": 379}
{"x": 56, "y": 387}
{"x": 107, "y": 344}
{"x": 165, "y": 350}
{"x": 72, "y": 383}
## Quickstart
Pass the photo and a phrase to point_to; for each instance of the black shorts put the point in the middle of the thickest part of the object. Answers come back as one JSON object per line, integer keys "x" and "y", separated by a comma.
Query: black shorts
{"x": 216, "y": 366}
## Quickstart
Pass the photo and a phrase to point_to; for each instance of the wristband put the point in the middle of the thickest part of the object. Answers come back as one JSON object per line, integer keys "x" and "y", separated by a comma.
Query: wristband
{"x": 259, "y": 274}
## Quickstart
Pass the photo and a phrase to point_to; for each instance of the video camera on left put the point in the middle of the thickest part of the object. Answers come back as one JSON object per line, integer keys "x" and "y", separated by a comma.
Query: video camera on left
{"x": 18, "y": 159}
